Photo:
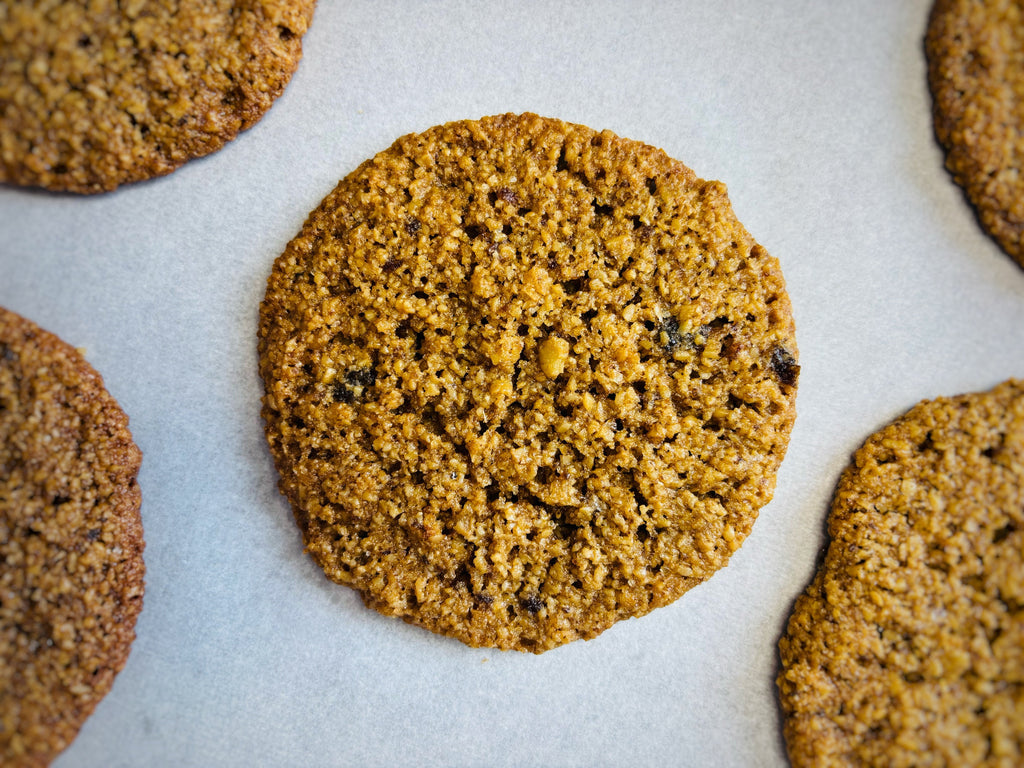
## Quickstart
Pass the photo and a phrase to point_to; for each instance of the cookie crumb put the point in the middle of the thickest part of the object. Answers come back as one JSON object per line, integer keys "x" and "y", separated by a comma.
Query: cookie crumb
{"x": 553, "y": 354}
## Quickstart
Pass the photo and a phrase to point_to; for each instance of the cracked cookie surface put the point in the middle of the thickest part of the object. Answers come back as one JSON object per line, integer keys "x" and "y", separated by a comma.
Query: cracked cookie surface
{"x": 101, "y": 93}
{"x": 525, "y": 379}
{"x": 976, "y": 72}
{"x": 71, "y": 569}
{"x": 907, "y": 649}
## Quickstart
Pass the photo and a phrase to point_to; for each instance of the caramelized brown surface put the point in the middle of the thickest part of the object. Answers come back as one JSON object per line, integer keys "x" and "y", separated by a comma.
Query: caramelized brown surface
{"x": 525, "y": 379}
{"x": 98, "y": 93}
{"x": 907, "y": 649}
{"x": 976, "y": 72}
{"x": 71, "y": 570}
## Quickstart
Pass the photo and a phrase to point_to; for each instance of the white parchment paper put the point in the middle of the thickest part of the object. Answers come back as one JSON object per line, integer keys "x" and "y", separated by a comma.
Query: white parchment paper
{"x": 817, "y": 117}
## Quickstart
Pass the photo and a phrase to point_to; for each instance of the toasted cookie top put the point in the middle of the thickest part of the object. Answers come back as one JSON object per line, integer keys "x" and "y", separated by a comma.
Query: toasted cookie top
{"x": 976, "y": 72}
{"x": 71, "y": 570}
{"x": 98, "y": 93}
{"x": 524, "y": 379}
{"x": 907, "y": 649}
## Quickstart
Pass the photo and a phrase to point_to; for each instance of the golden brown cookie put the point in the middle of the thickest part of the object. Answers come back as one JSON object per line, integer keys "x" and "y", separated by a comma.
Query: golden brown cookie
{"x": 97, "y": 93}
{"x": 907, "y": 649}
{"x": 524, "y": 379}
{"x": 71, "y": 570}
{"x": 976, "y": 72}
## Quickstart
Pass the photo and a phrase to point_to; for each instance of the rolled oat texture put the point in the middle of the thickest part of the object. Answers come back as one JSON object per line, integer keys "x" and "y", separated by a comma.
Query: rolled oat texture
{"x": 525, "y": 379}
{"x": 98, "y": 93}
{"x": 976, "y": 72}
{"x": 71, "y": 569}
{"x": 907, "y": 648}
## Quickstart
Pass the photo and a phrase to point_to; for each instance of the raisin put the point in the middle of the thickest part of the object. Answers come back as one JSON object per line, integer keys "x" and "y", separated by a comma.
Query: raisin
{"x": 508, "y": 196}
{"x": 341, "y": 393}
{"x": 671, "y": 339}
{"x": 784, "y": 366}
{"x": 357, "y": 379}
{"x": 412, "y": 226}
{"x": 533, "y": 604}
{"x": 93, "y": 534}
{"x": 361, "y": 377}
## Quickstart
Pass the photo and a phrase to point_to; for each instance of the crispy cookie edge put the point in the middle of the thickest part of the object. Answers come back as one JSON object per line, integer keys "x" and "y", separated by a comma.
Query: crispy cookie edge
{"x": 126, "y": 504}
{"x": 946, "y": 53}
{"x": 813, "y": 739}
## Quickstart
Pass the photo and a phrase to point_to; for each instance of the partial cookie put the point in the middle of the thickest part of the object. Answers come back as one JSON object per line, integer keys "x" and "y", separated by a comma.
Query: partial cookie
{"x": 976, "y": 71}
{"x": 524, "y": 379}
{"x": 907, "y": 649}
{"x": 71, "y": 570}
{"x": 97, "y": 93}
